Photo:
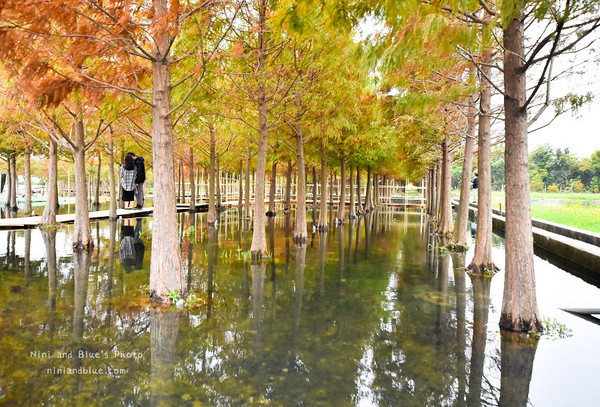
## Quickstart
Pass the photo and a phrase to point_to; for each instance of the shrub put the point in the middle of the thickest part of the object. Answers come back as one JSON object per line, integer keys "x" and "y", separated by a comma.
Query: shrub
{"x": 578, "y": 186}
{"x": 553, "y": 188}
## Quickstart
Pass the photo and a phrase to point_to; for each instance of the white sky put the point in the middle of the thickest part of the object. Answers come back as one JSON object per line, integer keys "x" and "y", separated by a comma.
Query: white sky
{"x": 579, "y": 132}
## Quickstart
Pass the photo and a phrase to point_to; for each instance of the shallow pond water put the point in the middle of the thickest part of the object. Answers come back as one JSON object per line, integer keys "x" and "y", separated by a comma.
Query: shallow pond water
{"x": 369, "y": 314}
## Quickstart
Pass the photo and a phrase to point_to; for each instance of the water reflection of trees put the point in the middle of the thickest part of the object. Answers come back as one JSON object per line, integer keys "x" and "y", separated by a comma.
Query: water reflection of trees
{"x": 390, "y": 326}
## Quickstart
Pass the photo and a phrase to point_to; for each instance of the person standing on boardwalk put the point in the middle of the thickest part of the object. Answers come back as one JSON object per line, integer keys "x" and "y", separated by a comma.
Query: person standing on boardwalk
{"x": 139, "y": 180}
{"x": 475, "y": 187}
{"x": 128, "y": 174}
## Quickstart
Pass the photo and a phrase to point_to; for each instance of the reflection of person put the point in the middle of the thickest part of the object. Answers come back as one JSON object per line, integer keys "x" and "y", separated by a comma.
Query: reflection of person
{"x": 140, "y": 178}
{"x": 475, "y": 187}
{"x": 127, "y": 246}
{"x": 128, "y": 173}
{"x": 138, "y": 245}
{"x": 131, "y": 247}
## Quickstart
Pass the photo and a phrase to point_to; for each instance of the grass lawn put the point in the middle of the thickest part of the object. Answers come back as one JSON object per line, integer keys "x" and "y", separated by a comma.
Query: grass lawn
{"x": 574, "y": 214}
{"x": 578, "y": 214}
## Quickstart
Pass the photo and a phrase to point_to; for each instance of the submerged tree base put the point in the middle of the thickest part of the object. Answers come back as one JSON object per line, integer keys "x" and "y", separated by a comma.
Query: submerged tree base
{"x": 156, "y": 297}
{"x": 258, "y": 255}
{"x": 457, "y": 247}
{"x": 300, "y": 239}
{"x": 488, "y": 270}
{"x": 79, "y": 246}
{"x": 510, "y": 324}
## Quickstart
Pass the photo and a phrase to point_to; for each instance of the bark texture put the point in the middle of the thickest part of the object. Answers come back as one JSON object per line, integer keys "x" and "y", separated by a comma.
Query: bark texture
{"x": 192, "y": 182}
{"x": 272, "y": 190}
{"x": 165, "y": 264}
{"x": 482, "y": 259}
{"x": 461, "y": 226}
{"x": 247, "y": 185}
{"x": 445, "y": 225}
{"x": 342, "y": 194}
{"x": 300, "y": 232}
{"x": 82, "y": 234}
{"x": 368, "y": 193}
{"x": 13, "y": 183}
{"x": 259, "y": 237}
{"x": 27, "y": 168}
{"x": 112, "y": 214}
{"x": 322, "y": 225}
{"x": 212, "y": 209}
{"x": 288, "y": 188}
{"x": 97, "y": 191}
{"x": 352, "y": 214}
{"x": 519, "y": 304}
{"x": 49, "y": 215}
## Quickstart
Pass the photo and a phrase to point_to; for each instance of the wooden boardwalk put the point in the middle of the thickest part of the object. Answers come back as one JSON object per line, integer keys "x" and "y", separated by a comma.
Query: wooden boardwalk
{"x": 34, "y": 221}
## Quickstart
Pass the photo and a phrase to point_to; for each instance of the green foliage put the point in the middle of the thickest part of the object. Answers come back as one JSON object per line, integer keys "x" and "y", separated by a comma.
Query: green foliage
{"x": 174, "y": 296}
{"x": 190, "y": 234}
{"x": 554, "y": 330}
{"x": 192, "y": 300}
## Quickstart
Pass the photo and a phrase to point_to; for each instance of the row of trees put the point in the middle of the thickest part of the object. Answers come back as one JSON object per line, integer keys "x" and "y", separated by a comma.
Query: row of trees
{"x": 270, "y": 82}
{"x": 227, "y": 85}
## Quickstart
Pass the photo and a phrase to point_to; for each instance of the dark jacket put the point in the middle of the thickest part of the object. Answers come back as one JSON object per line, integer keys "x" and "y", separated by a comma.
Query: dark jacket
{"x": 141, "y": 170}
{"x": 475, "y": 182}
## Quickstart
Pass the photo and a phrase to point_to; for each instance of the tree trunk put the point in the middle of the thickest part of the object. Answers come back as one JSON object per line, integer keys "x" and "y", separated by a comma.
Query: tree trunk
{"x": 272, "y": 190}
{"x": 192, "y": 183}
{"x": 481, "y": 308}
{"x": 444, "y": 226}
{"x": 314, "y": 177}
{"x": 358, "y": 199}
{"x": 519, "y": 304}
{"x": 247, "y": 186}
{"x": 179, "y": 184}
{"x": 112, "y": 214}
{"x": 49, "y": 215}
{"x": 438, "y": 189}
{"x": 342, "y": 204}
{"x": 352, "y": 214}
{"x": 288, "y": 188}
{"x": 182, "y": 172}
{"x": 97, "y": 195}
{"x": 164, "y": 329}
{"x": 219, "y": 200}
{"x": 212, "y": 210}
{"x": 482, "y": 259}
{"x": 8, "y": 182}
{"x": 259, "y": 238}
{"x": 516, "y": 365}
{"x": 82, "y": 234}
{"x": 461, "y": 227}
{"x": 300, "y": 232}
{"x": 13, "y": 183}
{"x": 27, "y": 209}
{"x": 322, "y": 225}
{"x": 240, "y": 187}
{"x": 165, "y": 264}
{"x": 375, "y": 190}
{"x": 368, "y": 193}
{"x": 331, "y": 182}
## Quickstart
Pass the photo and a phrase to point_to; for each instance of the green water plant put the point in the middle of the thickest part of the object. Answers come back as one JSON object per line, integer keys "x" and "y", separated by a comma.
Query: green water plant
{"x": 174, "y": 296}
{"x": 554, "y": 330}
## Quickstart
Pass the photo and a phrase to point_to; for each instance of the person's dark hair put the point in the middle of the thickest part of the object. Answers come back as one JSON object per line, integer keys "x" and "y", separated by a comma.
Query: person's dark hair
{"x": 129, "y": 163}
{"x": 131, "y": 154}
{"x": 476, "y": 174}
